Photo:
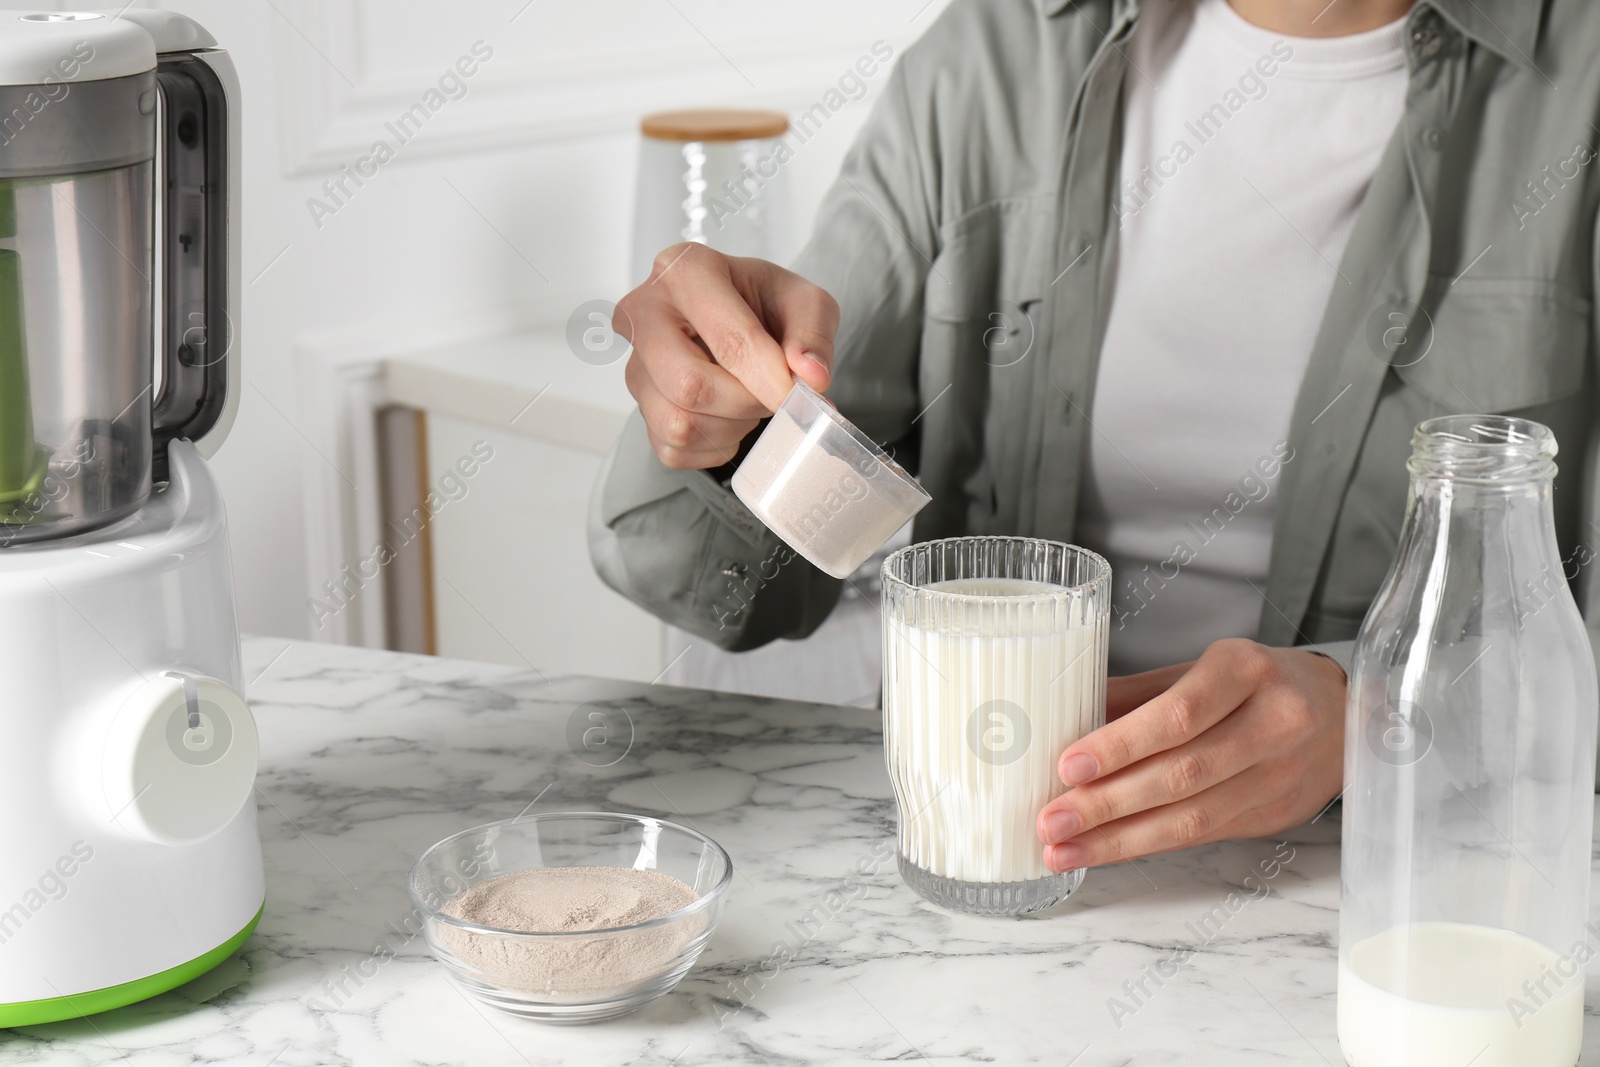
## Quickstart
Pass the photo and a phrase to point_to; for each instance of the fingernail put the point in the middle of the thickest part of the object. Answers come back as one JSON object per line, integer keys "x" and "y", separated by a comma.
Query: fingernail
{"x": 1079, "y": 768}
{"x": 1060, "y": 825}
{"x": 817, "y": 360}
{"x": 1068, "y": 857}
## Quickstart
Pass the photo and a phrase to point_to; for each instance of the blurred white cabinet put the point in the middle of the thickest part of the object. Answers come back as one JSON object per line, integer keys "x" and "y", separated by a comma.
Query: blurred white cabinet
{"x": 511, "y": 574}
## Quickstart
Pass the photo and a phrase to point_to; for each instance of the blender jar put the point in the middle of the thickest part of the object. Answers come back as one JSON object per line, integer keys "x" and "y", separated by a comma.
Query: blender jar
{"x": 76, "y": 337}
{"x": 75, "y": 351}
{"x": 92, "y": 124}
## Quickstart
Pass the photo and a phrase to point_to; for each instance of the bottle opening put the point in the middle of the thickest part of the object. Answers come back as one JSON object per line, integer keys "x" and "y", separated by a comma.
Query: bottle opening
{"x": 1489, "y": 448}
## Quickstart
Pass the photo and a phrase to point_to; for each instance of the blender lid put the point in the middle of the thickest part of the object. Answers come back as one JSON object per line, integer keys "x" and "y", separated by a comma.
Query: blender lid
{"x": 51, "y": 47}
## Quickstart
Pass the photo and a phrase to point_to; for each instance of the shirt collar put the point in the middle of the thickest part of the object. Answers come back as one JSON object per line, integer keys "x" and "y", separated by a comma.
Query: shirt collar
{"x": 1507, "y": 27}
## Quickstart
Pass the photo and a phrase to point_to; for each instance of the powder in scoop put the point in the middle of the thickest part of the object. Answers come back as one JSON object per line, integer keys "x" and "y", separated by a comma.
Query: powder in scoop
{"x": 571, "y": 900}
{"x": 832, "y": 511}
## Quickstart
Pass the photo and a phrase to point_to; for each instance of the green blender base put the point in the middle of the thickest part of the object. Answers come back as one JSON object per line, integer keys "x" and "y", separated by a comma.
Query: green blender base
{"x": 77, "y": 1005}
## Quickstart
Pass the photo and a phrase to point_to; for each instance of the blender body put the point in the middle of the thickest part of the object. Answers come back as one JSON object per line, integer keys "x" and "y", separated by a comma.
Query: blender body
{"x": 130, "y": 862}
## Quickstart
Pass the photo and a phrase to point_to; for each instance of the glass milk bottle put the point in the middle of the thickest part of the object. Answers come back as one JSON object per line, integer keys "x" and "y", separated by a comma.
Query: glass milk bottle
{"x": 994, "y": 660}
{"x": 1469, "y": 772}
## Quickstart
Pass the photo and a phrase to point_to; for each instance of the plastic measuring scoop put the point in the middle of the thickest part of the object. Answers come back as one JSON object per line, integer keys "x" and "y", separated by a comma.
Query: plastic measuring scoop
{"x": 823, "y": 486}
{"x": 22, "y": 462}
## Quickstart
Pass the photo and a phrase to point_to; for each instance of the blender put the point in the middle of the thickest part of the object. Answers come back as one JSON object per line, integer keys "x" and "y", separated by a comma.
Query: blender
{"x": 129, "y": 856}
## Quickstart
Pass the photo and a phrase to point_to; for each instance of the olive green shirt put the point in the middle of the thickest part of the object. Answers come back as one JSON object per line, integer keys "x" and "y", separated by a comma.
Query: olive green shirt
{"x": 983, "y": 185}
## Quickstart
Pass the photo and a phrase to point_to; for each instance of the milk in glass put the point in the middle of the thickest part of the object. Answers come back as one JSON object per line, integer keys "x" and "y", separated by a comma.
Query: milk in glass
{"x": 986, "y": 680}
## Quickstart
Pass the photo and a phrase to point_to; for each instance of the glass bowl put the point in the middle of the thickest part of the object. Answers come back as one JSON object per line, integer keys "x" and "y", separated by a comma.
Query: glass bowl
{"x": 570, "y": 977}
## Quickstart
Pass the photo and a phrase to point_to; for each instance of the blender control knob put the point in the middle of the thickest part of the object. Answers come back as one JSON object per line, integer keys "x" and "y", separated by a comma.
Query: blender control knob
{"x": 180, "y": 759}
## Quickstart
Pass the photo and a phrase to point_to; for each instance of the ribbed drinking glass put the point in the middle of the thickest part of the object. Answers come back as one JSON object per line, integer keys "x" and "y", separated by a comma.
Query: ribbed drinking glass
{"x": 994, "y": 662}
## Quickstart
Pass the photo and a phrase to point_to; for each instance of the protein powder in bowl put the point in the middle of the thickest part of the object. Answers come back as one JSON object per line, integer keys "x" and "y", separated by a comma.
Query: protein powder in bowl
{"x": 571, "y": 916}
{"x": 823, "y": 486}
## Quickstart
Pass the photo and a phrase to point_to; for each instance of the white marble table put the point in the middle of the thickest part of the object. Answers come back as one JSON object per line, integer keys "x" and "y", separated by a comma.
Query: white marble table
{"x": 822, "y": 956}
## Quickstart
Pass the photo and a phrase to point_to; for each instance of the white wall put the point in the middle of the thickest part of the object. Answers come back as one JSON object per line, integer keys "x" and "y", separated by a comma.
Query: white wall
{"x": 530, "y": 174}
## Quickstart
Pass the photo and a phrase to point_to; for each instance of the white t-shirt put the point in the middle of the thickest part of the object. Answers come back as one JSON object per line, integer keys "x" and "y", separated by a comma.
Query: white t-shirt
{"x": 1246, "y": 156}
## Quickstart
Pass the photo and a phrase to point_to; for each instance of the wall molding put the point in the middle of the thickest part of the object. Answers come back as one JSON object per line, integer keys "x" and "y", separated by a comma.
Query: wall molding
{"x": 328, "y": 122}
{"x": 343, "y": 487}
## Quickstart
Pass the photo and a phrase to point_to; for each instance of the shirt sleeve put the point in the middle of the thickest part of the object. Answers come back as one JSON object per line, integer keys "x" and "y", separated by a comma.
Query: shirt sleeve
{"x": 679, "y": 543}
{"x": 1341, "y": 652}
{"x": 683, "y": 547}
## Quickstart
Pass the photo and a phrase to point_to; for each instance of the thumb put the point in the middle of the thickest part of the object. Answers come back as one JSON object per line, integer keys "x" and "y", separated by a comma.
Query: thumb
{"x": 810, "y": 366}
{"x": 806, "y": 321}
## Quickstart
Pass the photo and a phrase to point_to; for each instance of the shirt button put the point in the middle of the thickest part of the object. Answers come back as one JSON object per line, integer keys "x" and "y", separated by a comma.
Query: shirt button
{"x": 1433, "y": 137}
{"x": 734, "y": 572}
{"x": 1426, "y": 36}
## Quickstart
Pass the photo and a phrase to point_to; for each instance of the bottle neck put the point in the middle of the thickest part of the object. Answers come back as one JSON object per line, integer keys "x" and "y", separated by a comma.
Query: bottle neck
{"x": 1482, "y": 495}
{"x": 1484, "y": 450}
{"x": 1521, "y": 511}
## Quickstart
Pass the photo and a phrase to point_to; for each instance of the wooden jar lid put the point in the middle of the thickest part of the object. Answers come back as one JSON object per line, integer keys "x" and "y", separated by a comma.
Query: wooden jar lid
{"x": 713, "y": 124}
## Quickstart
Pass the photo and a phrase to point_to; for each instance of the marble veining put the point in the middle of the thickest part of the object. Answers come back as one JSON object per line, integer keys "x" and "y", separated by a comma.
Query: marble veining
{"x": 1220, "y": 955}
